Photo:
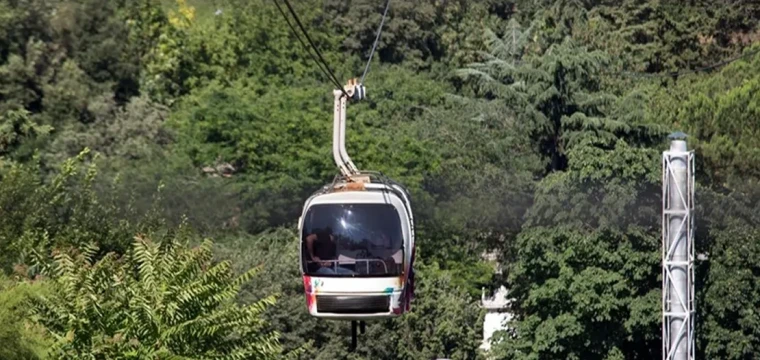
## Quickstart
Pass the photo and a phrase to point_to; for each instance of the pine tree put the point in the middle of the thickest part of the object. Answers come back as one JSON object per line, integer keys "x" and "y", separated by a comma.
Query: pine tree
{"x": 557, "y": 96}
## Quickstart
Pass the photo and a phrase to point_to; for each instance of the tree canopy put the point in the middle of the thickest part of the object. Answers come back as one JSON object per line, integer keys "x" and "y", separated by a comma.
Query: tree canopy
{"x": 528, "y": 133}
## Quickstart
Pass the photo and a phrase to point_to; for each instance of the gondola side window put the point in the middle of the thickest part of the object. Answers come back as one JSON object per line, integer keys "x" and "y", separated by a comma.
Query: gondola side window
{"x": 352, "y": 240}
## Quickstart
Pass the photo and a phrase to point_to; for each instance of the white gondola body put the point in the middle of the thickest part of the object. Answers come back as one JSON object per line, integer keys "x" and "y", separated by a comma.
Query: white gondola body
{"x": 363, "y": 281}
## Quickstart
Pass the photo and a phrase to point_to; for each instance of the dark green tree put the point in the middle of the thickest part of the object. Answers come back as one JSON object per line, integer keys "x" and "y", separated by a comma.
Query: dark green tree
{"x": 732, "y": 293}
{"x": 718, "y": 113}
{"x": 586, "y": 265}
{"x": 557, "y": 95}
{"x": 96, "y": 35}
{"x": 417, "y": 34}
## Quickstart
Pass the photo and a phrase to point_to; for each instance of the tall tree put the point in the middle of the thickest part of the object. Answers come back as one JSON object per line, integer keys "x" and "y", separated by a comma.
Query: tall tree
{"x": 732, "y": 293}
{"x": 586, "y": 266}
{"x": 557, "y": 96}
{"x": 568, "y": 277}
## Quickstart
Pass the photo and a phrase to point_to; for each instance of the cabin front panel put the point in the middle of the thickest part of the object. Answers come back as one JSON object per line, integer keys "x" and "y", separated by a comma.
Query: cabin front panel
{"x": 367, "y": 291}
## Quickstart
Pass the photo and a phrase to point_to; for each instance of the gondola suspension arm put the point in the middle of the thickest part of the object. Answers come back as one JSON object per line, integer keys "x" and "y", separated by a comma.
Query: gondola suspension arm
{"x": 340, "y": 155}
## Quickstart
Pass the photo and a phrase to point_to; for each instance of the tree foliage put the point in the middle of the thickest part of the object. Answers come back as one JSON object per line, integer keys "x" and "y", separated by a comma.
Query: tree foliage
{"x": 64, "y": 211}
{"x": 161, "y": 300}
{"x": 585, "y": 268}
{"x": 719, "y": 111}
{"x": 527, "y": 129}
{"x": 731, "y": 294}
{"x": 559, "y": 96}
{"x": 21, "y": 336}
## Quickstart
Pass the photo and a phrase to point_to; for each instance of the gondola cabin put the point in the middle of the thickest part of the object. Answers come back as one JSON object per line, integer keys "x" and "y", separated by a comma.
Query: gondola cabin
{"x": 357, "y": 249}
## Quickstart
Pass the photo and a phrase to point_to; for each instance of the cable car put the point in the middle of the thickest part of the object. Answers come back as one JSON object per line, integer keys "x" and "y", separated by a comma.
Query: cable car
{"x": 357, "y": 238}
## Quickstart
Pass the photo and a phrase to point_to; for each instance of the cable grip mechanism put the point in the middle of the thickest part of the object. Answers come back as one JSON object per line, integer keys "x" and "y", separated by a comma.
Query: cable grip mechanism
{"x": 356, "y": 90}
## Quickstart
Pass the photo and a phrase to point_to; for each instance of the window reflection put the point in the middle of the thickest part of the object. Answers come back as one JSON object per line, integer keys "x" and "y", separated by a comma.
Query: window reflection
{"x": 352, "y": 240}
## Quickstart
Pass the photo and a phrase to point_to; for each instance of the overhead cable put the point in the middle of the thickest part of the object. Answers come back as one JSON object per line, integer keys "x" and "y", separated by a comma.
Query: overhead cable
{"x": 377, "y": 38}
{"x": 316, "y": 50}
{"x": 306, "y": 47}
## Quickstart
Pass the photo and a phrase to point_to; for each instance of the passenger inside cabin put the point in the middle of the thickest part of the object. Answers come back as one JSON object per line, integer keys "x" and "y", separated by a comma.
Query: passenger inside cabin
{"x": 322, "y": 250}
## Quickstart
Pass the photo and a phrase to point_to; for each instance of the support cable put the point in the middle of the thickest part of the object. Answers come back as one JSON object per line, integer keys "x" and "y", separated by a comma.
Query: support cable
{"x": 377, "y": 38}
{"x": 306, "y": 47}
{"x": 330, "y": 73}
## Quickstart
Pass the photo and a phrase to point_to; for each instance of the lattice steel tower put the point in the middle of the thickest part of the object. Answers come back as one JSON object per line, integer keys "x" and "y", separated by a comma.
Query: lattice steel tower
{"x": 678, "y": 250}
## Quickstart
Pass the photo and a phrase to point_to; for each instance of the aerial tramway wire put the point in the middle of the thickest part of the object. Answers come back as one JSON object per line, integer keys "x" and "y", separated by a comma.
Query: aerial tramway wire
{"x": 377, "y": 38}
{"x": 326, "y": 70}
{"x": 320, "y": 61}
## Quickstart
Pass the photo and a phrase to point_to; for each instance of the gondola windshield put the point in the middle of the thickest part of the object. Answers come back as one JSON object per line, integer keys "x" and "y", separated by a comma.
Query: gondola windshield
{"x": 353, "y": 240}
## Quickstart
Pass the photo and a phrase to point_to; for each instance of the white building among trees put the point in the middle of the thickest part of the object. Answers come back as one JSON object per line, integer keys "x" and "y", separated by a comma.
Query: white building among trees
{"x": 496, "y": 314}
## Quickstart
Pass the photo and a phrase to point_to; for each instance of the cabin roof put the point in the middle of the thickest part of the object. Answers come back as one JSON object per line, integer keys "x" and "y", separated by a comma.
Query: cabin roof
{"x": 355, "y": 197}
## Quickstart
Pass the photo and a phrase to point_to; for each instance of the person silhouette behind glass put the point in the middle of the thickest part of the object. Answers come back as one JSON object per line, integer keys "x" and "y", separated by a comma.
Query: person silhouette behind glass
{"x": 321, "y": 246}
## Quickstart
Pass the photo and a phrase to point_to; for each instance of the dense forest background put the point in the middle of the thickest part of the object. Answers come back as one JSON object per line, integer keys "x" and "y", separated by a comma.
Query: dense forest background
{"x": 133, "y": 131}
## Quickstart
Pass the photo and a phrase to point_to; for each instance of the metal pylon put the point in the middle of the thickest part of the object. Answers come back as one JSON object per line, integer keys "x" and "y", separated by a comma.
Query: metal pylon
{"x": 678, "y": 251}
